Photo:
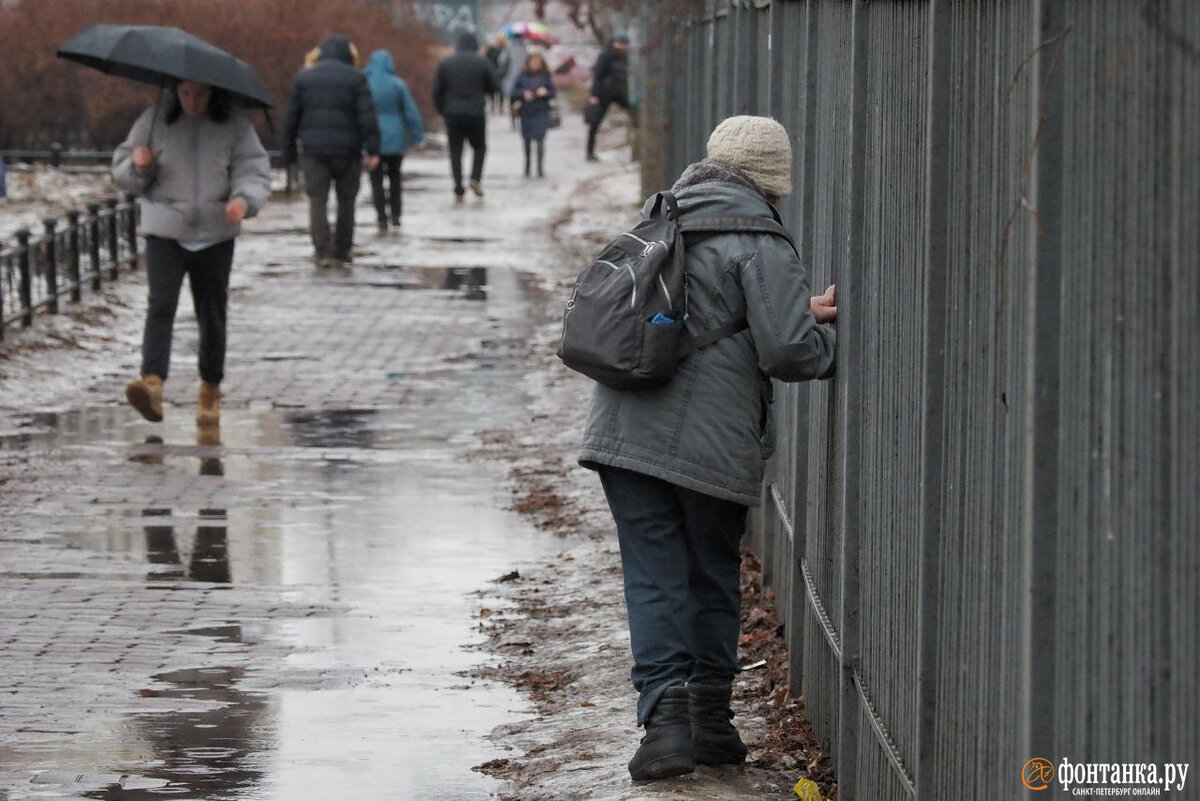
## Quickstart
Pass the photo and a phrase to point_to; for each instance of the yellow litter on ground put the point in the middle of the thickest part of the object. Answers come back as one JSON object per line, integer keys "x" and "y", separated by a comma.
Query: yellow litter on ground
{"x": 808, "y": 791}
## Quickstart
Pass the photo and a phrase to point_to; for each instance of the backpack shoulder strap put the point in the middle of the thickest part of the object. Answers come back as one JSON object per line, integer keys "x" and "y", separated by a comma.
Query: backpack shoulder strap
{"x": 733, "y": 225}
{"x": 712, "y": 226}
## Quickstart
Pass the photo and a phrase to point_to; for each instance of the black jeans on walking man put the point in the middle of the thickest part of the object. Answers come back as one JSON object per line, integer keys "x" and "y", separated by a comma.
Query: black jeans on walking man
{"x": 388, "y": 205}
{"x": 344, "y": 174}
{"x": 473, "y": 129}
{"x": 207, "y": 271}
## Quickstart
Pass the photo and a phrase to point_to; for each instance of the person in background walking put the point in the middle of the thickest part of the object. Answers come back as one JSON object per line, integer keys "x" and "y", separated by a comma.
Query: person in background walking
{"x": 681, "y": 464}
{"x": 200, "y": 170}
{"x": 332, "y": 117}
{"x": 399, "y": 126}
{"x": 517, "y": 49}
{"x": 460, "y": 90}
{"x": 532, "y": 92}
{"x": 498, "y": 56}
{"x": 610, "y": 84}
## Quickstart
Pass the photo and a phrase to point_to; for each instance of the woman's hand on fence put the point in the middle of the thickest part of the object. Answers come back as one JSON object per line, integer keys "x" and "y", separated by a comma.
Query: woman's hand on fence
{"x": 235, "y": 210}
{"x": 143, "y": 159}
{"x": 824, "y": 307}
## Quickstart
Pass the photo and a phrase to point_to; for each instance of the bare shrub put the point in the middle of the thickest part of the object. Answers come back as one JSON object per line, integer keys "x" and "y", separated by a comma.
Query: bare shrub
{"x": 47, "y": 99}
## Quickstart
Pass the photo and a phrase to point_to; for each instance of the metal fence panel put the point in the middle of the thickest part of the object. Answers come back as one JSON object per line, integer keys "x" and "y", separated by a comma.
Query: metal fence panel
{"x": 1127, "y": 541}
{"x": 892, "y": 370}
{"x": 983, "y": 532}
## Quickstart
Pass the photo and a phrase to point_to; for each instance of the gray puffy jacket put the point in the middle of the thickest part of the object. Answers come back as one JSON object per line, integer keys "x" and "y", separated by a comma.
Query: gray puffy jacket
{"x": 200, "y": 166}
{"x": 709, "y": 429}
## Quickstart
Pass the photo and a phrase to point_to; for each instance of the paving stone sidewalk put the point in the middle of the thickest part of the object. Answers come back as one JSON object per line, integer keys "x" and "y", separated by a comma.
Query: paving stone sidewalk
{"x": 162, "y": 589}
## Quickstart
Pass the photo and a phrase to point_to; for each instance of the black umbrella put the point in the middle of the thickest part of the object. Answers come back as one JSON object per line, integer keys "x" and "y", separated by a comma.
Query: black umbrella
{"x": 154, "y": 54}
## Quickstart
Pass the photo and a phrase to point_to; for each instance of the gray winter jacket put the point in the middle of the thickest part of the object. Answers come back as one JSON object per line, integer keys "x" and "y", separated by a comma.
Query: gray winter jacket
{"x": 200, "y": 166}
{"x": 709, "y": 429}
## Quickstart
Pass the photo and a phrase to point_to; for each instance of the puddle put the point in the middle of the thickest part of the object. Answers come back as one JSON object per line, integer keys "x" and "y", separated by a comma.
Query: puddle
{"x": 469, "y": 283}
{"x": 371, "y": 512}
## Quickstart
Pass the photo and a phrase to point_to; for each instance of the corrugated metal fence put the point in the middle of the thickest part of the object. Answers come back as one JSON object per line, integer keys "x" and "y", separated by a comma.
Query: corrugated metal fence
{"x": 985, "y": 531}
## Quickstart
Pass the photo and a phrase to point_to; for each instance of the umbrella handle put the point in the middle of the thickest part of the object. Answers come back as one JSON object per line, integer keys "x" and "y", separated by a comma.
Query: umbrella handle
{"x": 162, "y": 83}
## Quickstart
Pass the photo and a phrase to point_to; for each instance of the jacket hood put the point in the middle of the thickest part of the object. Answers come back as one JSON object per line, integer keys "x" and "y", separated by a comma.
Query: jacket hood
{"x": 468, "y": 42}
{"x": 337, "y": 48}
{"x": 720, "y": 188}
{"x": 381, "y": 62}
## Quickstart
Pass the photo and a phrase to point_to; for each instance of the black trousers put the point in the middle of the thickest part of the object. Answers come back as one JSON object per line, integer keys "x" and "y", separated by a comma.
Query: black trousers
{"x": 207, "y": 272}
{"x": 472, "y": 129}
{"x": 389, "y": 201}
{"x": 596, "y": 116}
{"x": 344, "y": 174}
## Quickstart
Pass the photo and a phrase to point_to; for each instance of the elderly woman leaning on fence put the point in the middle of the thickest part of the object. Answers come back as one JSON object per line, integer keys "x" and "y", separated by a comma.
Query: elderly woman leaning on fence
{"x": 681, "y": 464}
{"x": 200, "y": 170}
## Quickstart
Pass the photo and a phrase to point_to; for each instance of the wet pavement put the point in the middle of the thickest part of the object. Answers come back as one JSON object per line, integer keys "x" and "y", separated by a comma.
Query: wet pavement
{"x": 334, "y": 597}
{"x": 291, "y": 608}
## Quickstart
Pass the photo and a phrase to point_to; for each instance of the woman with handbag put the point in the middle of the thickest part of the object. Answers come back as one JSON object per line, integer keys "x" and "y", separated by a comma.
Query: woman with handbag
{"x": 531, "y": 95}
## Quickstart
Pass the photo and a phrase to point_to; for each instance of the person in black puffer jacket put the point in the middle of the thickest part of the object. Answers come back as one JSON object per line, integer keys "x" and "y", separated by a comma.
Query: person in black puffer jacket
{"x": 460, "y": 90}
{"x": 332, "y": 117}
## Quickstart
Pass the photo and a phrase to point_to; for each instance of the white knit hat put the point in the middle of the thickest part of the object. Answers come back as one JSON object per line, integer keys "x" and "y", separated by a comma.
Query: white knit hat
{"x": 759, "y": 147}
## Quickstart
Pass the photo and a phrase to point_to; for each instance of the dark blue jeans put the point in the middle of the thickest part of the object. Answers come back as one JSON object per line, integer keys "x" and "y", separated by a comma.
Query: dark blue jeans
{"x": 207, "y": 272}
{"x": 681, "y": 559}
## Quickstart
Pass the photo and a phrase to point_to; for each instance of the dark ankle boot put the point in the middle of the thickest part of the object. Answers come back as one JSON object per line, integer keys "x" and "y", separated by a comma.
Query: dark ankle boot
{"x": 666, "y": 750}
{"x": 714, "y": 738}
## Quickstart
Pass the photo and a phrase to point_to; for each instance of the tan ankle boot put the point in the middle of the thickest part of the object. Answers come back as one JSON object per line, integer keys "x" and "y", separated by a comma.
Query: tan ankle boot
{"x": 145, "y": 395}
{"x": 208, "y": 405}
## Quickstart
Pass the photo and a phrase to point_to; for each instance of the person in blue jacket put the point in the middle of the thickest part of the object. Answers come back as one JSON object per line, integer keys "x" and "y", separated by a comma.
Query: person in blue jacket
{"x": 531, "y": 92}
{"x": 399, "y": 127}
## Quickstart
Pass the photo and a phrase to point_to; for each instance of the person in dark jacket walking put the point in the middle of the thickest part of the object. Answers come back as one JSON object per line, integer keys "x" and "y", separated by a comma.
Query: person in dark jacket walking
{"x": 200, "y": 170}
{"x": 399, "y": 126}
{"x": 332, "y": 117}
{"x": 498, "y": 56}
{"x": 681, "y": 464}
{"x": 610, "y": 84}
{"x": 532, "y": 91}
{"x": 460, "y": 90}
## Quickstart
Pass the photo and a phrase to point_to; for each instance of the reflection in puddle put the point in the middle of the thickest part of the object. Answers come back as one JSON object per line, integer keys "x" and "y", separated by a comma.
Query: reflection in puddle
{"x": 209, "y": 558}
{"x": 470, "y": 283}
{"x": 214, "y": 749}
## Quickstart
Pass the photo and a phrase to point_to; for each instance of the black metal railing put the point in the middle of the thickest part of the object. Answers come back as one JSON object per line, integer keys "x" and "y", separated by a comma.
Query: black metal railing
{"x": 71, "y": 254}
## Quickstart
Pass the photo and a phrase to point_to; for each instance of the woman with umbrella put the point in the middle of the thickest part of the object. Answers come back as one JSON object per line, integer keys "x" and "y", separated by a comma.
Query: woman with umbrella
{"x": 200, "y": 170}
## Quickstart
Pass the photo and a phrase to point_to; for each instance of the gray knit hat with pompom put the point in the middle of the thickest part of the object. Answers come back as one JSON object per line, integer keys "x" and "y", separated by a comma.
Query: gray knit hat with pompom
{"x": 759, "y": 147}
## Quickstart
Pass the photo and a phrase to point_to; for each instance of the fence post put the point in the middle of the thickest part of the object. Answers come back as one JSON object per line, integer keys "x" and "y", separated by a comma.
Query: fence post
{"x": 25, "y": 289}
{"x": 56, "y": 155}
{"x": 114, "y": 246}
{"x": 937, "y": 271}
{"x": 73, "y": 256}
{"x": 49, "y": 224}
{"x": 131, "y": 228}
{"x": 93, "y": 223}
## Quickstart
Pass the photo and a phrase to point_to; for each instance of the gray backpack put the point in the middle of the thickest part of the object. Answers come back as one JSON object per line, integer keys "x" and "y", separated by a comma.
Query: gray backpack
{"x": 623, "y": 325}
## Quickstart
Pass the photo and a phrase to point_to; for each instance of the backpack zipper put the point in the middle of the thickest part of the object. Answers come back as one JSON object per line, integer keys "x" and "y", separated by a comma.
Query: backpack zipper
{"x": 646, "y": 246}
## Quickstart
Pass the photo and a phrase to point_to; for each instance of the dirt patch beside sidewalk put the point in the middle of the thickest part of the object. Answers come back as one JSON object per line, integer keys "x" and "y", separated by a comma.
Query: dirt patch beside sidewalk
{"x": 561, "y": 639}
